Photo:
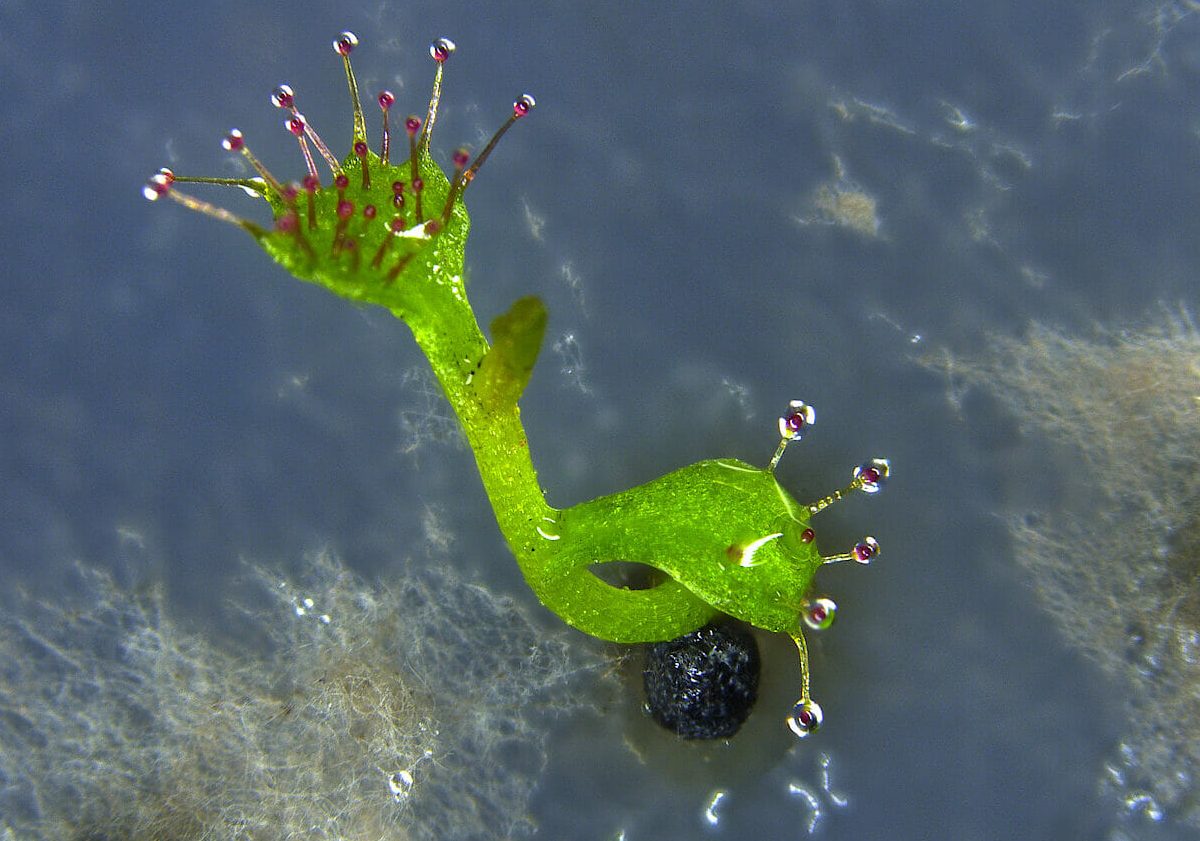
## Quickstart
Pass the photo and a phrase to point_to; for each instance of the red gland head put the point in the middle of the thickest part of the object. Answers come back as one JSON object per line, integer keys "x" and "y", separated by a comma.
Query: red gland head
{"x": 441, "y": 49}
{"x": 283, "y": 97}
{"x": 523, "y": 105}
{"x": 234, "y": 141}
{"x": 345, "y": 43}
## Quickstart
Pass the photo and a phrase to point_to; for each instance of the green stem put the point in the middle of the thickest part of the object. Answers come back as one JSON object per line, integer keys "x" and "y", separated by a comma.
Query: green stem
{"x": 452, "y": 341}
{"x": 455, "y": 347}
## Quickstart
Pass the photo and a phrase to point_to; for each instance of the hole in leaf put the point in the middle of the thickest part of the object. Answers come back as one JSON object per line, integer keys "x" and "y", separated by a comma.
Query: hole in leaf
{"x": 628, "y": 575}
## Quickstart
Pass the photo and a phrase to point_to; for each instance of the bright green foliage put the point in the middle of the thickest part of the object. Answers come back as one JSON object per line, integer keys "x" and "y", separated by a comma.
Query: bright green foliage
{"x": 724, "y": 535}
{"x": 723, "y": 528}
{"x": 323, "y": 255}
{"x": 517, "y": 337}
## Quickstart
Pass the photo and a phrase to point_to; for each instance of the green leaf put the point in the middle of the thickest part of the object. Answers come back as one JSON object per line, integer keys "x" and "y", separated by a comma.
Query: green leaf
{"x": 516, "y": 340}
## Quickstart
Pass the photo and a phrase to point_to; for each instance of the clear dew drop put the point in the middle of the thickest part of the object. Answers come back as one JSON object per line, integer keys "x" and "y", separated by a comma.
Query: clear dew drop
{"x": 400, "y": 785}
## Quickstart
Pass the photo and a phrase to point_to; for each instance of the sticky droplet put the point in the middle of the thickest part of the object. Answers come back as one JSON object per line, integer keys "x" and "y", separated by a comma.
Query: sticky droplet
{"x": 820, "y": 613}
{"x": 441, "y": 49}
{"x": 283, "y": 97}
{"x": 524, "y": 104}
{"x": 865, "y": 550}
{"x": 345, "y": 43}
{"x": 795, "y": 422}
{"x": 233, "y": 141}
{"x": 805, "y": 718}
{"x": 873, "y": 474}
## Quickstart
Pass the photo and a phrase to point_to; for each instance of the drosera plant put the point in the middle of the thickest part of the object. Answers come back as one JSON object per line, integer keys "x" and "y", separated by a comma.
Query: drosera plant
{"x": 388, "y": 226}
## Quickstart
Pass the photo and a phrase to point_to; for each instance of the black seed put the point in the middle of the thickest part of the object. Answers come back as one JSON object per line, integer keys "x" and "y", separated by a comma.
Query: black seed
{"x": 702, "y": 685}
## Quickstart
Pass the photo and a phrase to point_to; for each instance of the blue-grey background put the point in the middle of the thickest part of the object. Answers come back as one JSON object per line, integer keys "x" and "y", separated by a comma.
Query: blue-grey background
{"x": 160, "y": 376}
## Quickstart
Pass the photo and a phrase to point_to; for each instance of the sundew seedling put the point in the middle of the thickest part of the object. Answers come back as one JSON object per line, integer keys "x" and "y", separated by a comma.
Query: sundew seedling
{"x": 386, "y": 225}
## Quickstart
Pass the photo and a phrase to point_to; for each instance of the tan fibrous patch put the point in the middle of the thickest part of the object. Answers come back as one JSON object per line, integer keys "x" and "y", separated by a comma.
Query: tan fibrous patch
{"x": 844, "y": 203}
{"x": 1118, "y": 566}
